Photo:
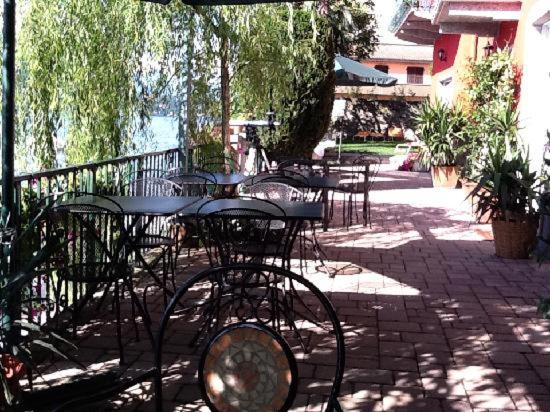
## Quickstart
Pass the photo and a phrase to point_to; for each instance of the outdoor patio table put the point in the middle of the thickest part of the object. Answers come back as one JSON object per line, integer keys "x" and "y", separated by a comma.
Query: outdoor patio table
{"x": 293, "y": 210}
{"x": 139, "y": 207}
{"x": 324, "y": 183}
{"x": 221, "y": 179}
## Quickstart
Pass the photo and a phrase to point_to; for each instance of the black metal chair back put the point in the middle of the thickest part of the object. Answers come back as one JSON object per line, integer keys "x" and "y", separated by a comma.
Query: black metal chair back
{"x": 93, "y": 227}
{"x": 175, "y": 171}
{"x": 138, "y": 174}
{"x": 195, "y": 184}
{"x": 373, "y": 163}
{"x": 307, "y": 167}
{"x": 250, "y": 304}
{"x": 359, "y": 179}
{"x": 220, "y": 164}
{"x": 276, "y": 189}
{"x": 245, "y": 233}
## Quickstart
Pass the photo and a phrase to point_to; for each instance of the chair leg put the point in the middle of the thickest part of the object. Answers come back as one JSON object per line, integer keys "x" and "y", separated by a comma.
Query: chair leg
{"x": 173, "y": 257}
{"x": 136, "y": 329}
{"x": 118, "y": 325}
{"x": 164, "y": 278}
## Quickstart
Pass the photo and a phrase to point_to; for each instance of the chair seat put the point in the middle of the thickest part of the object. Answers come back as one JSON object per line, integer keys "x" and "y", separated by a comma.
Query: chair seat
{"x": 92, "y": 273}
{"x": 153, "y": 241}
{"x": 269, "y": 250}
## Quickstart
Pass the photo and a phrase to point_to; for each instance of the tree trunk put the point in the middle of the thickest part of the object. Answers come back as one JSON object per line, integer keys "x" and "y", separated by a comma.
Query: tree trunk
{"x": 225, "y": 95}
{"x": 308, "y": 123}
{"x": 190, "y": 112}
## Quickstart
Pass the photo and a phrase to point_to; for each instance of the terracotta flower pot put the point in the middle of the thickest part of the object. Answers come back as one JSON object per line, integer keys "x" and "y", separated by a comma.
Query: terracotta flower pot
{"x": 444, "y": 176}
{"x": 14, "y": 370}
{"x": 514, "y": 239}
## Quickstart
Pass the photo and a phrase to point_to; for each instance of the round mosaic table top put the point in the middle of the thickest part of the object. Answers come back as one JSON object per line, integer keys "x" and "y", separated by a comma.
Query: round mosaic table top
{"x": 248, "y": 367}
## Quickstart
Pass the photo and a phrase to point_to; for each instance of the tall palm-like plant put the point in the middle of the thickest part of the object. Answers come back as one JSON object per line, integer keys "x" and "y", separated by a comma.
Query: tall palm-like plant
{"x": 507, "y": 187}
{"x": 441, "y": 129}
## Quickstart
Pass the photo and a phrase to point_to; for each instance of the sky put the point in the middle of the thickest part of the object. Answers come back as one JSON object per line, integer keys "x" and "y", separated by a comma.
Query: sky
{"x": 384, "y": 10}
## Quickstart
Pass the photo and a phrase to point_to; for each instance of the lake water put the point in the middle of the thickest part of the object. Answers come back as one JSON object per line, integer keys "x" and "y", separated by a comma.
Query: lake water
{"x": 164, "y": 131}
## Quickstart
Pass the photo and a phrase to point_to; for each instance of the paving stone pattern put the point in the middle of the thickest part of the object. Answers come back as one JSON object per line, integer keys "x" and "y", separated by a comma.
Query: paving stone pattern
{"x": 433, "y": 320}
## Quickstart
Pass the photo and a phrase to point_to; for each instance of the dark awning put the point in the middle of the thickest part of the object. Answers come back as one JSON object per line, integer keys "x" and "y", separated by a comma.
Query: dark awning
{"x": 351, "y": 72}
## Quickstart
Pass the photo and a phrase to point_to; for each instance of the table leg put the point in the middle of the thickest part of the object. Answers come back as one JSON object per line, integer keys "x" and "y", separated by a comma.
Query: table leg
{"x": 326, "y": 216}
{"x": 137, "y": 252}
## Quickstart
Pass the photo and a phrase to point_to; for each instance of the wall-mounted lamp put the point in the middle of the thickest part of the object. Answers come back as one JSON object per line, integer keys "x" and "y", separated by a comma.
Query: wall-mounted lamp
{"x": 442, "y": 55}
{"x": 488, "y": 49}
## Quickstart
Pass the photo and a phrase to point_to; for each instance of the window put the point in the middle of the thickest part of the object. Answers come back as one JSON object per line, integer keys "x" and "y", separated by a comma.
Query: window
{"x": 382, "y": 68}
{"x": 415, "y": 75}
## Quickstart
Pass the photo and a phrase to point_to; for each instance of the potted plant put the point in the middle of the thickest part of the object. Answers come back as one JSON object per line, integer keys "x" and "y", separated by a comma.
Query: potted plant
{"x": 21, "y": 338}
{"x": 507, "y": 192}
{"x": 441, "y": 129}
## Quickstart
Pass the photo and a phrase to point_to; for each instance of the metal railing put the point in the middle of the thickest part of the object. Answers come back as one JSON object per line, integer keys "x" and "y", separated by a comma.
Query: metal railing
{"x": 103, "y": 177}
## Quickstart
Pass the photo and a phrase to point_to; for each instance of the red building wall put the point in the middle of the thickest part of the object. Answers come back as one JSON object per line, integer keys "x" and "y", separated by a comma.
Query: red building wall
{"x": 506, "y": 34}
{"x": 449, "y": 43}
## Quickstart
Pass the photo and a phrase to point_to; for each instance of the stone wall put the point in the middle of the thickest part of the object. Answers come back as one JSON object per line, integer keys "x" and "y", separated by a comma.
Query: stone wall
{"x": 377, "y": 116}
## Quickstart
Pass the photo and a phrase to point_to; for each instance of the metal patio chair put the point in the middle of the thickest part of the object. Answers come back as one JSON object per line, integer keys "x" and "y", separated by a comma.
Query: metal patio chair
{"x": 191, "y": 184}
{"x": 160, "y": 233}
{"x": 247, "y": 233}
{"x": 220, "y": 164}
{"x": 248, "y": 360}
{"x": 357, "y": 179}
{"x": 93, "y": 255}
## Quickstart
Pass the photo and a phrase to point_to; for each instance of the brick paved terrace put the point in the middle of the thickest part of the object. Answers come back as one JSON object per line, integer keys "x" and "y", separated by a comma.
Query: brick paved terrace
{"x": 433, "y": 320}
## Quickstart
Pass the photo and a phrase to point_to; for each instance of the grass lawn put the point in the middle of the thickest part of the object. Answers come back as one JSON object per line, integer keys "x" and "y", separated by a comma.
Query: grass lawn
{"x": 376, "y": 147}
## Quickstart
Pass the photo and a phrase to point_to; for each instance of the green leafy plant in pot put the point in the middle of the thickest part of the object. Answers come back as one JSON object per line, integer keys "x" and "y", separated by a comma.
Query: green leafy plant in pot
{"x": 496, "y": 133}
{"x": 21, "y": 335}
{"x": 507, "y": 192}
{"x": 441, "y": 129}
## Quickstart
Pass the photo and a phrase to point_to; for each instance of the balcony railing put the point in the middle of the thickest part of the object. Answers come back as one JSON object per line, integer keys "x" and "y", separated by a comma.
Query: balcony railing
{"x": 103, "y": 177}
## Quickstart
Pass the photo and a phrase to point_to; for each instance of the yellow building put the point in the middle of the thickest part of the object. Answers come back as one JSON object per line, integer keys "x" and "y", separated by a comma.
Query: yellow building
{"x": 465, "y": 30}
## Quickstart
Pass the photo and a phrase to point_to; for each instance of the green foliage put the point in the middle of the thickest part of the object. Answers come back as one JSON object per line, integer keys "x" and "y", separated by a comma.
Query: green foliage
{"x": 492, "y": 80}
{"x": 495, "y": 159}
{"x": 544, "y": 307}
{"x": 94, "y": 69}
{"x": 289, "y": 60}
{"x": 441, "y": 129}
{"x": 492, "y": 85}
{"x": 19, "y": 336}
{"x": 507, "y": 188}
{"x": 379, "y": 148}
{"x": 85, "y": 67}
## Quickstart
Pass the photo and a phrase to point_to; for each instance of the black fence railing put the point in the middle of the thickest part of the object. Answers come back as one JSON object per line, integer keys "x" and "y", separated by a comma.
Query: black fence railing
{"x": 103, "y": 177}
{"x": 46, "y": 296}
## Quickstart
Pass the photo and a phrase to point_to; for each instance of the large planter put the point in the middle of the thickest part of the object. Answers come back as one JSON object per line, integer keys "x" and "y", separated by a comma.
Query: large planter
{"x": 514, "y": 239}
{"x": 444, "y": 176}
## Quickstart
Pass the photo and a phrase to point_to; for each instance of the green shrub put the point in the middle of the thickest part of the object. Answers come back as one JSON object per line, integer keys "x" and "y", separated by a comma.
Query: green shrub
{"x": 441, "y": 129}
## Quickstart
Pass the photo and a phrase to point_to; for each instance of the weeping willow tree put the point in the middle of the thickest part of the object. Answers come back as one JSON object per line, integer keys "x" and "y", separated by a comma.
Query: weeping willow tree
{"x": 289, "y": 62}
{"x": 90, "y": 72}
{"x": 281, "y": 57}
{"x": 88, "y": 69}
